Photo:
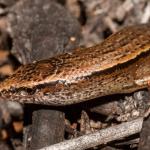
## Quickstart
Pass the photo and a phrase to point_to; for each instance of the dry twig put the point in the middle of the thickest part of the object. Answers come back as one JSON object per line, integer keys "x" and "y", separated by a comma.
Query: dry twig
{"x": 100, "y": 137}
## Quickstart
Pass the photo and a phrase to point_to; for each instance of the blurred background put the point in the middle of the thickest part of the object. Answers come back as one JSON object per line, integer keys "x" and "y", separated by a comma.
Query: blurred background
{"x": 31, "y": 30}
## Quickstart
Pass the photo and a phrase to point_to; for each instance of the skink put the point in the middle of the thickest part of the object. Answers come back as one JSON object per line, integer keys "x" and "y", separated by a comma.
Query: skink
{"x": 120, "y": 64}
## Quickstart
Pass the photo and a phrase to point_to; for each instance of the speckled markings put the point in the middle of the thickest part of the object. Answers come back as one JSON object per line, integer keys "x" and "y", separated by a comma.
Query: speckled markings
{"x": 114, "y": 66}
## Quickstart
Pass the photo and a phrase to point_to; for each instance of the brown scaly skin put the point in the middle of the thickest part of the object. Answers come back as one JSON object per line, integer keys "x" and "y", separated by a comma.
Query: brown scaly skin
{"x": 120, "y": 64}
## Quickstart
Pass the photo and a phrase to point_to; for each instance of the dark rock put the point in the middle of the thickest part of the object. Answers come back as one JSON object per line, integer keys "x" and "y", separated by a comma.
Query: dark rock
{"x": 42, "y": 28}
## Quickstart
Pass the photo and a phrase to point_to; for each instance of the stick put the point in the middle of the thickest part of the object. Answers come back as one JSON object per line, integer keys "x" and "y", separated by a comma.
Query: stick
{"x": 100, "y": 137}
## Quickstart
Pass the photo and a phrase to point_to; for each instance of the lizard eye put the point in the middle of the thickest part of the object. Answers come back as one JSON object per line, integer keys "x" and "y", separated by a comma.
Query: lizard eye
{"x": 12, "y": 89}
